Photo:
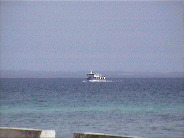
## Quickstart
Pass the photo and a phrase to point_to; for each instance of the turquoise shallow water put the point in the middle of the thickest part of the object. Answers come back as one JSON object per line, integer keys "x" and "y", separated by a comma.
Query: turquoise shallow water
{"x": 136, "y": 107}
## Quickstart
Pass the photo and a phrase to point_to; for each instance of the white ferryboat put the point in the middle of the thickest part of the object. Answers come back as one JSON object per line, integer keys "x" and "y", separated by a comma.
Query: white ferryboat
{"x": 95, "y": 77}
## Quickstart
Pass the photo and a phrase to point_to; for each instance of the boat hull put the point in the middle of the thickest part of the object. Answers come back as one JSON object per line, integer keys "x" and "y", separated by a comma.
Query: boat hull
{"x": 96, "y": 80}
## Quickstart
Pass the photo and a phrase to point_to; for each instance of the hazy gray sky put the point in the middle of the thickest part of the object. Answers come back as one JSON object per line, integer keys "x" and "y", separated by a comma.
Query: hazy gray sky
{"x": 104, "y": 36}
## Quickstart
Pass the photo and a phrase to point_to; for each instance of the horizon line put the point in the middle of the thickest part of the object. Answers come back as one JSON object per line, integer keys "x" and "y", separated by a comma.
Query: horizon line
{"x": 95, "y": 71}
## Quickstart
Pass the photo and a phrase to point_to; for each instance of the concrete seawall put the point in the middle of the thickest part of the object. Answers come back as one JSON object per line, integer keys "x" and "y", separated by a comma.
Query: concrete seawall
{"x": 94, "y": 135}
{"x": 25, "y": 133}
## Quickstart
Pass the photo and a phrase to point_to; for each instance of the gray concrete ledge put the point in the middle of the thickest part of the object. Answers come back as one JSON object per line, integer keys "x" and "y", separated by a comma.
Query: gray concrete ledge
{"x": 25, "y": 133}
{"x": 96, "y": 135}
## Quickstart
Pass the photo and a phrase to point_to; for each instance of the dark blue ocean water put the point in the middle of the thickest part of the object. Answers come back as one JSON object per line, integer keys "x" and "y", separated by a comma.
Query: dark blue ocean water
{"x": 130, "y": 107}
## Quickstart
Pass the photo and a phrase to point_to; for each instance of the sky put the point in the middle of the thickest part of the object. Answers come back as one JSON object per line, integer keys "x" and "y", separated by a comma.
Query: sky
{"x": 104, "y": 36}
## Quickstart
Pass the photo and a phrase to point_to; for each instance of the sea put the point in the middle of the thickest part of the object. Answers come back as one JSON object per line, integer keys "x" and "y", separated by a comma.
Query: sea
{"x": 142, "y": 107}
